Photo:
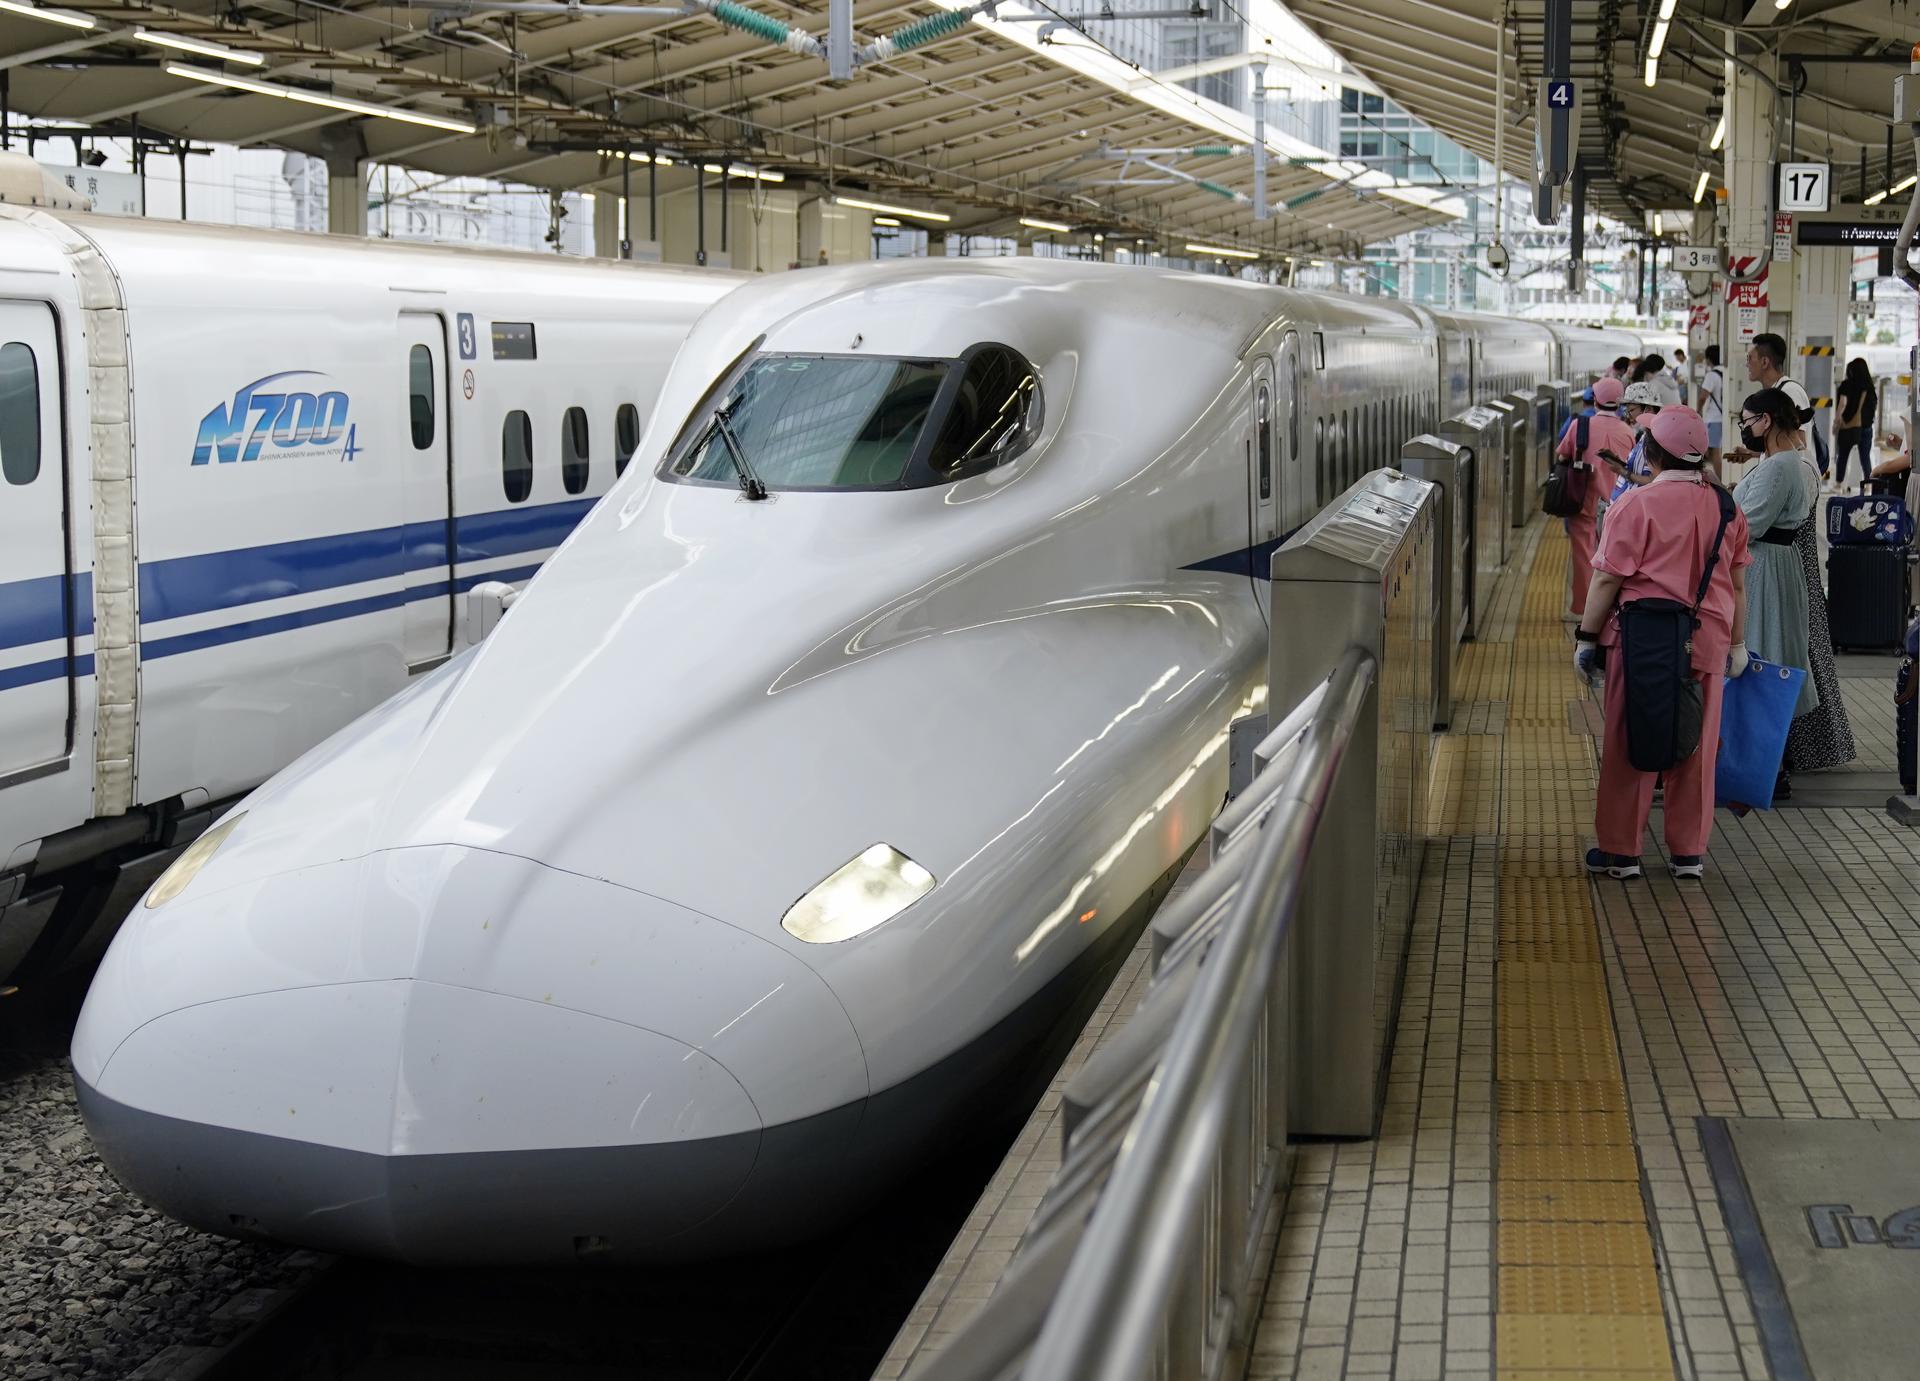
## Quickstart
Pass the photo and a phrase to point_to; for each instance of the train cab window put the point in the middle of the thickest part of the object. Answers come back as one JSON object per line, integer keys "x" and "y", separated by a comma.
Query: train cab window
{"x": 516, "y": 456}
{"x": 1320, "y": 493}
{"x": 849, "y": 422}
{"x": 19, "y": 414}
{"x": 420, "y": 395}
{"x": 573, "y": 450}
{"x": 626, "y": 437}
{"x": 1263, "y": 437}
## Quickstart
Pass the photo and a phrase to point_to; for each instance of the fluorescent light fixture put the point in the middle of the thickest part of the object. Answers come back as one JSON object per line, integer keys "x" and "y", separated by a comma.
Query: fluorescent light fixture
{"x": 1099, "y": 239}
{"x": 886, "y": 220}
{"x": 1222, "y": 251}
{"x": 1667, "y": 7}
{"x": 1034, "y": 223}
{"x": 939, "y": 216}
{"x": 186, "y": 868}
{"x": 1659, "y": 224}
{"x": 1875, "y": 199}
{"x": 67, "y": 17}
{"x": 1902, "y": 185}
{"x": 219, "y": 51}
{"x": 1659, "y": 44}
{"x": 742, "y": 170}
{"x": 866, "y": 891}
{"x": 1653, "y": 70}
{"x": 1719, "y": 136}
{"x": 1781, "y": 4}
{"x": 319, "y": 98}
{"x": 1700, "y": 187}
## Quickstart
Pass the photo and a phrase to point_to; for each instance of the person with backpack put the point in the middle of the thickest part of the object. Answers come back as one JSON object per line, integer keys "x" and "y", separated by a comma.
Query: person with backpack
{"x": 1581, "y": 446}
{"x": 1665, "y": 622}
{"x": 1859, "y": 400}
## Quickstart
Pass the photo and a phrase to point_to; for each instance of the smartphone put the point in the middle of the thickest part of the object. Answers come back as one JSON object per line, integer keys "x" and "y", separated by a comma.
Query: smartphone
{"x": 1612, "y": 459}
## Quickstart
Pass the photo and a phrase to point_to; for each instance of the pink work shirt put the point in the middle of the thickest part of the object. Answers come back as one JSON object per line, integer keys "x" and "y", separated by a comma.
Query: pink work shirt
{"x": 1604, "y": 431}
{"x": 1656, "y": 539}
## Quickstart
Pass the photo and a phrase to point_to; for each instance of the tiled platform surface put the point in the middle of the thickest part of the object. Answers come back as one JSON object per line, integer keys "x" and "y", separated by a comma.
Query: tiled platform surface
{"x": 1536, "y": 1203}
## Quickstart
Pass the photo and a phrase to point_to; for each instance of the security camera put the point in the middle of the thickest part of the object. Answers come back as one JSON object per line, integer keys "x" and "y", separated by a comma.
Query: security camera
{"x": 1497, "y": 257}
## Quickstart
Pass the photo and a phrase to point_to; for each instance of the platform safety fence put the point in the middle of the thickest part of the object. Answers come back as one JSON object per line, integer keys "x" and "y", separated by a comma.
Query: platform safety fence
{"x": 1146, "y": 1257}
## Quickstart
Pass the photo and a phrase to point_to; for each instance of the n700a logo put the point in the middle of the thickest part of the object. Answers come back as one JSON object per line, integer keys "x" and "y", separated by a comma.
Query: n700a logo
{"x": 267, "y": 416}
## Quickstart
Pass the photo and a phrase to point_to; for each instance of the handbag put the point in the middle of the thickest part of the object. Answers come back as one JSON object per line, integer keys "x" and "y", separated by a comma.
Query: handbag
{"x": 1756, "y": 711}
{"x": 1665, "y": 706}
{"x": 1564, "y": 495}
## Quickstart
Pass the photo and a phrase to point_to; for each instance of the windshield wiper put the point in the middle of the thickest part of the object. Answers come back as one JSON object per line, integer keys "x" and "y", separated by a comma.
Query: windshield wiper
{"x": 750, "y": 483}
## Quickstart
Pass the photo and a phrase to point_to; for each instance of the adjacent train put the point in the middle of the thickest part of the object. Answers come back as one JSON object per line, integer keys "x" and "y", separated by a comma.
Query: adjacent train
{"x": 844, "y": 739}
{"x": 244, "y": 478}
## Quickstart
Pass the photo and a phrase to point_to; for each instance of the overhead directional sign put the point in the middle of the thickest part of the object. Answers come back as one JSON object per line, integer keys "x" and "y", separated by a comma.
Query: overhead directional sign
{"x": 1696, "y": 258}
{"x": 1805, "y": 187}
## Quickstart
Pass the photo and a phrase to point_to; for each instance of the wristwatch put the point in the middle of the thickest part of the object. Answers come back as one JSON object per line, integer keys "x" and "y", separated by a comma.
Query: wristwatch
{"x": 1580, "y": 635}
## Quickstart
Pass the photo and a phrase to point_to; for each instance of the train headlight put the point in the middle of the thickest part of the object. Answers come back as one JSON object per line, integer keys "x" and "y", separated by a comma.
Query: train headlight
{"x": 186, "y": 868}
{"x": 865, "y": 892}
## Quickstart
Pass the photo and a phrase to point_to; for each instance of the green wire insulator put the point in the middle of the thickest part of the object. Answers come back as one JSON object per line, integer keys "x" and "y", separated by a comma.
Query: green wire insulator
{"x": 1220, "y": 191}
{"x": 1295, "y": 203}
{"x": 1213, "y": 151}
{"x": 928, "y": 29}
{"x": 740, "y": 17}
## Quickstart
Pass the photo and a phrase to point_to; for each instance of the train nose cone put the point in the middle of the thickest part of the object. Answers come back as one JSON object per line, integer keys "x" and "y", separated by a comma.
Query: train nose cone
{"x": 444, "y": 1055}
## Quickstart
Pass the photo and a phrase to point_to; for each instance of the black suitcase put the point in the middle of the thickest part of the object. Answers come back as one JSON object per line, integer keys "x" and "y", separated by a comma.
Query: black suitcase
{"x": 1905, "y": 705}
{"x": 1867, "y": 596}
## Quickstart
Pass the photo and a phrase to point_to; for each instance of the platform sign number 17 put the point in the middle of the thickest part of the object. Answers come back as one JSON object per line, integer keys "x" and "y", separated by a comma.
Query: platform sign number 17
{"x": 1804, "y": 187}
{"x": 1560, "y": 95}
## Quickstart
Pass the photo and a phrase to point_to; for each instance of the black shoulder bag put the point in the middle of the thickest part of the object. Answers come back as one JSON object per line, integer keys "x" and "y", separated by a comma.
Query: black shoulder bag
{"x": 1665, "y": 705}
{"x": 1564, "y": 494}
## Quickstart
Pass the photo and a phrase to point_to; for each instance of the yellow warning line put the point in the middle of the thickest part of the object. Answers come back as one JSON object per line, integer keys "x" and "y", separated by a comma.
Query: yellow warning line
{"x": 1578, "y": 1296}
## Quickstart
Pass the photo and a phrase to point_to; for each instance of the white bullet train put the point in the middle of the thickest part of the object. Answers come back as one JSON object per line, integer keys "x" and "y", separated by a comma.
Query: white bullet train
{"x": 244, "y": 478}
{"x": 801, "y": 787}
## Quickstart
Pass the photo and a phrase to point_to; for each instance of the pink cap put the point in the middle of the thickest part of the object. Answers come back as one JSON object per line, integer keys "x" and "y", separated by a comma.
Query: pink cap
{"x": 1680, "y": 433}
{"x": 1607, "y": 391}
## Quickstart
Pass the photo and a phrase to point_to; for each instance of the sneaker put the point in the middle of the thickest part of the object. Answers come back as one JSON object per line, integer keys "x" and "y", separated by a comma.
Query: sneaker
{"x": 1618, "y": 866}
{"x": 1688, "y": 866}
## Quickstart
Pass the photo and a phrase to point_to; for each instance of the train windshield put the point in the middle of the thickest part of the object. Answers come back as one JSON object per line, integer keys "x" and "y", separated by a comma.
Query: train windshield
{"x": 852, "y": 422}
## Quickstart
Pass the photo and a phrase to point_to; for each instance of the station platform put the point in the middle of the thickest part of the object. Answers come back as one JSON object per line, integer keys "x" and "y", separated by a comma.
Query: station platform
{"x": 1632, "y": 1129}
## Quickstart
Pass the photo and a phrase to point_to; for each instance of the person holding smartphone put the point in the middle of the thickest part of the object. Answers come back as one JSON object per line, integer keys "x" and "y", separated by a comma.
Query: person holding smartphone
{"x": 1585, "y": 442}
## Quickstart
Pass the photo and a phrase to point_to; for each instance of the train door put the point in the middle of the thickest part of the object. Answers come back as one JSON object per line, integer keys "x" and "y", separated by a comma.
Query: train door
{"x": 37, "y": 597}
{"x": 427, "y": 489}
{"x": 1263, "y": 523}
{"x": 1296, "y": 480}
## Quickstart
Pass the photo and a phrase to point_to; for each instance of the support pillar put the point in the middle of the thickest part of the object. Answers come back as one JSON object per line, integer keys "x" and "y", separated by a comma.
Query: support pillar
{"x": 936, "y": 245}
{"x": 1750, "y": 147}
{"x": 347, "y": 197}
{"x": 606, "y": 225}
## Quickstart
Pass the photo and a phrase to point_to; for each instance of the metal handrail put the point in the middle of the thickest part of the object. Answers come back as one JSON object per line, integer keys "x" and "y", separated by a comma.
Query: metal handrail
{"x": 1112, "y": 1302}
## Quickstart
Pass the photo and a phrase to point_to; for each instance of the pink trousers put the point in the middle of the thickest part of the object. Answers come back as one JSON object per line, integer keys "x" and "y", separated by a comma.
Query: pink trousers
{"x": 1625, "y": 796}
{"x": 1581, "y": 533}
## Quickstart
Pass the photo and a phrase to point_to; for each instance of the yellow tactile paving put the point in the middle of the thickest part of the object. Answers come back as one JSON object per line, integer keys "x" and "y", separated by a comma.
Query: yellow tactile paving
{"x": 1559, "y": 1244}
{"x": 1576, "y": 1291}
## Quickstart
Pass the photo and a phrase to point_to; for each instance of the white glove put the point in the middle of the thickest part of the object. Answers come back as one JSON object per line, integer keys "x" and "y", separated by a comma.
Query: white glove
{"x": 1586, "y": 664}
{"x": 1737, "y": 660}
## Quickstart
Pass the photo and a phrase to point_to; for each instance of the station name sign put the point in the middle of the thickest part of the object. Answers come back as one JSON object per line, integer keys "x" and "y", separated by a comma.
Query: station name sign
{"x": 1847, "y": 233}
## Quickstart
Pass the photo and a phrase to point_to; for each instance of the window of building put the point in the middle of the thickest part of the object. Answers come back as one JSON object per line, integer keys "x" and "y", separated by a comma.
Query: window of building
{"x": 420, "y": 395}
{"x": 516, "y": 456}
{"x": 626, "y": 437}
{"x": 573, "y": 451}
{"x": 19, "y": 414}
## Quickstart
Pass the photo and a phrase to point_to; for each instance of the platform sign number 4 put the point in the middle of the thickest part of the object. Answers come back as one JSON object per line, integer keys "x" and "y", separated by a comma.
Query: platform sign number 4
{"x": 469, "y": 340}
{"x": 1804, "y": 187}
{"x": 1560, "y": 95}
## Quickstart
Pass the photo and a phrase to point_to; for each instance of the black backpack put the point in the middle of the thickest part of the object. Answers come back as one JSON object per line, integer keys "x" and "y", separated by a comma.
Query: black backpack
{"x": 1564, "y": 495}
{"x": 1664, "y": 704}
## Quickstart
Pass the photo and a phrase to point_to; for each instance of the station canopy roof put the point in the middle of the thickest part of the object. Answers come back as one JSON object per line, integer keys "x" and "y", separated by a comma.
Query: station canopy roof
{"x": 1643, "y": 147}
{"x": 983, "y": 125}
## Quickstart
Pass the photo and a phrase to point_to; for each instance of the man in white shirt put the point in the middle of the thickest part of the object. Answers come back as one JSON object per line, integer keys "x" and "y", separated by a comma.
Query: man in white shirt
{"x": 1767, "y": 366}
{"x": 1680, "y": 372}
{"x": 1654, "y": 369}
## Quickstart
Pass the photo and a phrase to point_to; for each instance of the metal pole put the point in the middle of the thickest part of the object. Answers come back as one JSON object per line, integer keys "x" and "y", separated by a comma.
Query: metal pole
{"x": 724, "y": 199}
{"x": 1260, "y": 210}
{"x": 839, "y": 40}
{"x": 1107, "y": 1317}
{"x": 180, "y": 152}
{"x": 6, "y": 109}
{"x": 139, "y": 162}
{"x": 653, "y": 195}
{"x": 626, "y": 201}
{"x": 700, "y": 212}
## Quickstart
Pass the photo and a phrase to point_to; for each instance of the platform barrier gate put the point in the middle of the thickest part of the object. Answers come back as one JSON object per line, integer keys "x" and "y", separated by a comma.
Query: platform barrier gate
{"x": 1145, "y": 1259}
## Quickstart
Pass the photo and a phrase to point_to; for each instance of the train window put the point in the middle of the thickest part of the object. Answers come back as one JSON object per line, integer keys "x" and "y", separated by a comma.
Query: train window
{"x": 1293, "y": 410}
{"x": 516, "y": 456}
{"x": 573, "y": 450}
{"x": 1320, "y": 493}
{"x": 1263, "y": 434}
{"x": 994, "y": 414}
{"x": 626, "y": 437}
{"x": 420, "y": 395}
{"x": 19, "y": 414}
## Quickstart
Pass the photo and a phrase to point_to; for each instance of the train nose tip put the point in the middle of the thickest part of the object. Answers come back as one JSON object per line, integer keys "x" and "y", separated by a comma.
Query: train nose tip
{"x": 422, "y": 1122}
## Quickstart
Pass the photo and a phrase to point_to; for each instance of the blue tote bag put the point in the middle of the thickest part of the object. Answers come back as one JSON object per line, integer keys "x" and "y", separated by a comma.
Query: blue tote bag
{"x": 1756, "y": 710}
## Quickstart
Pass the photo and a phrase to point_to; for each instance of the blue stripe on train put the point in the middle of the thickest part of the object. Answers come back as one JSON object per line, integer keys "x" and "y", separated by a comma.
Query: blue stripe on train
{"x": 31, "y": 611}
{"x": 54, "y": 670}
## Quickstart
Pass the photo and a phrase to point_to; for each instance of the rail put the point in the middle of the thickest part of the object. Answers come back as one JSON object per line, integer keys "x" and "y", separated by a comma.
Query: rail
{"x": 1141, "y": 1260}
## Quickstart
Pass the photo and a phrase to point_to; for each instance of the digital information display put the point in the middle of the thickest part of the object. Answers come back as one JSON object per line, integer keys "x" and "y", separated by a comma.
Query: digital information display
{"x": 513, "y": 340}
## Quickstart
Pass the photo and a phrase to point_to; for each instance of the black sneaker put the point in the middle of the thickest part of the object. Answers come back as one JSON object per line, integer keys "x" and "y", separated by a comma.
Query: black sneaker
{"x": 1613, "y": 865}
{"x": 1688, "y": 866}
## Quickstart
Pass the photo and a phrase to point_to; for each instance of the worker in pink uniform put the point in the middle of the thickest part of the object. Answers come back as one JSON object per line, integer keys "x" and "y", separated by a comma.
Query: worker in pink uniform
{"x": 1605, "y": 432}
{"x": 1655, "y": 545}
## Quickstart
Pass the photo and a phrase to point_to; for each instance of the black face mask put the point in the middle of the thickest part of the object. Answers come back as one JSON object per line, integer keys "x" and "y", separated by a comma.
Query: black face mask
{"x": 1753, "y": 441}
